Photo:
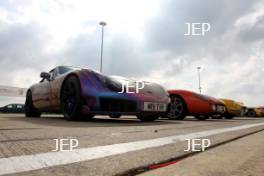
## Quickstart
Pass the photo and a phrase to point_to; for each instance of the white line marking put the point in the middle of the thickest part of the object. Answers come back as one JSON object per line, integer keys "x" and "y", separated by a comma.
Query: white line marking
{"x": 116, "y": 134}
{"x": 43, "y": 160}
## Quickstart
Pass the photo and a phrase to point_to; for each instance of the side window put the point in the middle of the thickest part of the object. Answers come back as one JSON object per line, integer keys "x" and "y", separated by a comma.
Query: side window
{"x": 53, "y": 74}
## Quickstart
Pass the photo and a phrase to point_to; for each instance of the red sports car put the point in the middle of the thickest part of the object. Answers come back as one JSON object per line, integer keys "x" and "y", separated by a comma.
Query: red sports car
{"x": 200, "y": 106}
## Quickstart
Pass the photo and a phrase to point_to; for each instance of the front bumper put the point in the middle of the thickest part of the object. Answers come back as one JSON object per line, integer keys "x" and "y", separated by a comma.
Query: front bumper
{"x": 107, "y": 104}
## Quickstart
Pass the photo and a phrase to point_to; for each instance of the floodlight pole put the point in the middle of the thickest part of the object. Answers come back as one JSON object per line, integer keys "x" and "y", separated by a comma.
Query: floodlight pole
{"x": 103, "y": 24}
{"x": 199, "y": 79}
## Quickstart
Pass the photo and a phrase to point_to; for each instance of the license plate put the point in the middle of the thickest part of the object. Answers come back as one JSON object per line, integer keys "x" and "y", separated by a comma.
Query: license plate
{"x": 149, "y": 106}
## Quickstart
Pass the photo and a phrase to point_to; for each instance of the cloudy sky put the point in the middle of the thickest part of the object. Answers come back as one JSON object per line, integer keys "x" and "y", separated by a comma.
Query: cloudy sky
{"x": 143, "y": 39}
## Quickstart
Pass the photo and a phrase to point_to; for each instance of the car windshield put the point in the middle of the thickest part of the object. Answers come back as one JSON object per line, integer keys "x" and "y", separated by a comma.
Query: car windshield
{"x": 66, "y": 69}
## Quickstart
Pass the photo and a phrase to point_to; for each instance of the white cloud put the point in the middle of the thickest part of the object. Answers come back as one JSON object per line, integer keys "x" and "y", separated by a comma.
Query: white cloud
{"x": 143, "y": 39}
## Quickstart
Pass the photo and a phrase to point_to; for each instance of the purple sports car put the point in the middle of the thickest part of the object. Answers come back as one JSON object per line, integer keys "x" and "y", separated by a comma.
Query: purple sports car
{"x": 83, "y": 93}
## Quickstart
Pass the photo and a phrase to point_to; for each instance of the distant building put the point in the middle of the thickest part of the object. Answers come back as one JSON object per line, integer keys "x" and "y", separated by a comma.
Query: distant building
{"x": 13, "y": 108}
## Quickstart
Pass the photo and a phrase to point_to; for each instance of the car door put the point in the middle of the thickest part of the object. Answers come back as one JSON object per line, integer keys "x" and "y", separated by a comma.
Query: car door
{"x": 55, "y": 85}
{"x": 41, "y": 94}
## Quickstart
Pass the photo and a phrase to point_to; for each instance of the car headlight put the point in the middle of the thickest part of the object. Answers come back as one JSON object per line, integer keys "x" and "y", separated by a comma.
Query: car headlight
{"x": 214, "y": 107}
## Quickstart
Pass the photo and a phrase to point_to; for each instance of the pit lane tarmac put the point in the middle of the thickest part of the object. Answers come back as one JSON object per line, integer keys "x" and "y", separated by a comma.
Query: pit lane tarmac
{"x": 106, "y": 146}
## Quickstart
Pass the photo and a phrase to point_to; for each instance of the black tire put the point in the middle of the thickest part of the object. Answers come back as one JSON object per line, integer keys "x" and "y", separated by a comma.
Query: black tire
{"x": 148, "y": 118}
{"x": 115, "y": 116}
{"x": 228, "y": 116}
{"x": 217, "y": 116}
{"x": 252, "y": 113}
{"x": 30, "y": 110}
{"x": 71, "y": 100}
{"x": 177, "y": 109}
{"x": 201, "y": 117}
{"x": 88, "y": 116}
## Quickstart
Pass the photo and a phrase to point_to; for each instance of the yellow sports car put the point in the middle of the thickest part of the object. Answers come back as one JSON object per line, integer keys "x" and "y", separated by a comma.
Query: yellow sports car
{"x": 233, "y": 108}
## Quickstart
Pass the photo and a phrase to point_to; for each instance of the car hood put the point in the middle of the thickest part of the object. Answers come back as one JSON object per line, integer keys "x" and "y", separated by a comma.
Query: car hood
{"x": 115, "y": 83}
{"x": 210, "y": 99}
{"x": 214, "y": 100}
{"x": 145, "y": 87}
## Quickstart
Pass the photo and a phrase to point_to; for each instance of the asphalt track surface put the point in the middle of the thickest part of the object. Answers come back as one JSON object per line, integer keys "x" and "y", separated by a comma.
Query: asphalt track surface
{"x": 107, "y": 146}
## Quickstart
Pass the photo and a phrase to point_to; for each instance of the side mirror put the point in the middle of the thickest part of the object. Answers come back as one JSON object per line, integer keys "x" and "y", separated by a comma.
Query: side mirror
{"x": 45, "y": 75}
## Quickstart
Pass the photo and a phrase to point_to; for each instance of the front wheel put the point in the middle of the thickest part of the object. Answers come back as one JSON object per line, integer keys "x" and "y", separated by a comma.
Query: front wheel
{"x": 71, "y": 101}
{"x": 228, "y": 116}
{"x": 252, "y": 114}
{"x": 217, "y": 116}
{"x": 147, "y": 118}
{"x": 88, "y": 116}
{"x": 202, "y": 117}
{"x": 30, "y": 110}
{"x": 177, "y": 108}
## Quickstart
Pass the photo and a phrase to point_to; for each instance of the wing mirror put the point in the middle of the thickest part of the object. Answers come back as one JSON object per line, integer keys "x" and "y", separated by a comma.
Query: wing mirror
{"x": 45, "y": 75}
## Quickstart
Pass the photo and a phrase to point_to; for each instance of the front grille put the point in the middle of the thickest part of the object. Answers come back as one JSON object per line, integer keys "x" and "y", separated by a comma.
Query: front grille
{"x": 117, "y": 105}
